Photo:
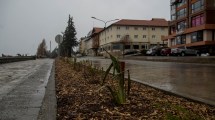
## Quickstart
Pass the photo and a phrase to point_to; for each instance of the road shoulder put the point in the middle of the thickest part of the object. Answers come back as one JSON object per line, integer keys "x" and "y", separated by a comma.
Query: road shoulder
{"x": 49, "y": 104}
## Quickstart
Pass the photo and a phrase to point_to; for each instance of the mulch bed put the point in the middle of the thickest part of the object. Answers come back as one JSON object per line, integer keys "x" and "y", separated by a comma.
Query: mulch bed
{"x": 78, "y": 98}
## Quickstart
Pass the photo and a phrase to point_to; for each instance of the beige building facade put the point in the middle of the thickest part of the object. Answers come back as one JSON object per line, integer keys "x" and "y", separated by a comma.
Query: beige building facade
{"x": 127, "y": 35}
{"x": 82, "y": 45}
{"x": 89, "y": 45}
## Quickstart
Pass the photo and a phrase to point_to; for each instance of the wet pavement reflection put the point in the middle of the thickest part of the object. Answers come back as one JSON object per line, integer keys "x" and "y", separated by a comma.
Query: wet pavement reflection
{"x": 195, "y": 81}
{"x": 22, "y": 88}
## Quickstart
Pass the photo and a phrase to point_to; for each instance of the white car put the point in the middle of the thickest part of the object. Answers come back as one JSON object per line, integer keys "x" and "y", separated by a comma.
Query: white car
{"x": 149, "y": 52}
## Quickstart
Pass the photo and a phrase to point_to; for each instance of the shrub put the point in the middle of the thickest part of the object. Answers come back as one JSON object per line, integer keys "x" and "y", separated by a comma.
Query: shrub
{"x": 119, "y": 92}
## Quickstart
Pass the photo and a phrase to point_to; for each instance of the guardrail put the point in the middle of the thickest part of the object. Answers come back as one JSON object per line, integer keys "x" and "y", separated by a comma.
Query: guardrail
{"x": 16, "y": 59}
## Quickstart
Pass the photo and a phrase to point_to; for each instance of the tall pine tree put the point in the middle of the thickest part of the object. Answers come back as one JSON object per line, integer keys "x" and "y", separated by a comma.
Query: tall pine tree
{"x": 69, "y": 39}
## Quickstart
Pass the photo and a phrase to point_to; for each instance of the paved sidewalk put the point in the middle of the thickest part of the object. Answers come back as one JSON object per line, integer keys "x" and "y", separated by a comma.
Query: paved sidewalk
{"x": 48, "y": 110}
{"x": 22, "y": 88}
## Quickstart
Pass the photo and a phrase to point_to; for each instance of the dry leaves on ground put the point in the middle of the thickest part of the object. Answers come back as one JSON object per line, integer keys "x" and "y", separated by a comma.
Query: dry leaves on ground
{"x": 78, "y": 98}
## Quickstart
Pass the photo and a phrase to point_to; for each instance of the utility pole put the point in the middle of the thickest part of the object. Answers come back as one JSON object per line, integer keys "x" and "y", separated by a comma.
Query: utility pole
{"x": 59, "y": 40}
{"x": 50, "y": 46}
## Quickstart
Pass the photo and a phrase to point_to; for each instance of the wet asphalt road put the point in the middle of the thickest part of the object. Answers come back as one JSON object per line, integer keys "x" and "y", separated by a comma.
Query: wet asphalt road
{"x": 22, "y": 88}
{"x": 195, "y": 81}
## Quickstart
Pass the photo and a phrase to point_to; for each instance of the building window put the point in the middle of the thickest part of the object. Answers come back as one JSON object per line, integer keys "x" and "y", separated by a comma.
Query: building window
{"x": 197, "y": 36}
{"x": 173, "y": 29}
{"x": 127, "y": 28}
{"x": 181, "y": 3}
{"x": 135, "y": 28}
{"x": 118, "y": 36}
{"x": 118, "y": 28}
{"x": 153, "y": 36}
{"x": 135, "y": 36}
{"x": 181, "y": 13}
{"x": 153, "y": 29}
{"x": 136, "y": 46}
{"x": 127, "y": 46}
{"x": 172, "y": 42}
{"x": 111, "y": 36}
{"x": 181, "y": 39}
{"x": 126, "y": 36}
{"x": 199, "y": 5}
{"x": 144, "y": 36}
{"x": 181, "y": 26}
{"x": 143, "y": 47}
{"x": 173, "y": 17}
{"x": 144, "y": 28}
{"x": 116, "y": 46}
{"x": 173, "y": 12}
{"x": 172, "y": 2}
{"x": 197, "y": 20}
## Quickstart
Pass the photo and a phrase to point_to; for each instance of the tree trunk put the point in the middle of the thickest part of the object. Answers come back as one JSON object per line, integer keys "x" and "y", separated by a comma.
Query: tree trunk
{"x": 69, "y": 52}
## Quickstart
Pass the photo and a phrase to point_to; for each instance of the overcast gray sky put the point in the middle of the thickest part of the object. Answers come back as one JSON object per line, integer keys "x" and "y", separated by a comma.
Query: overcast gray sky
{"x": 24, "y": 23}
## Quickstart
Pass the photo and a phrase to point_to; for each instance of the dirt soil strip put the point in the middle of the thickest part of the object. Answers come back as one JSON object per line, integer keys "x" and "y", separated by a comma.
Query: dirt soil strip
{"x": 78, "y": 98}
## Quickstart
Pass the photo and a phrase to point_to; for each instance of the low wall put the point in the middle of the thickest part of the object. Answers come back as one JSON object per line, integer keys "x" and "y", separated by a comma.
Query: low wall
{"x": 16, "y": 59}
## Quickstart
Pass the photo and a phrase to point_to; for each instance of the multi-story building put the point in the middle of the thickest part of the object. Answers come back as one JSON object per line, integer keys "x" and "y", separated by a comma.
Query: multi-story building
{"x": 125, "y": 35}
{"x": 92, "y": 42}
{"x": 192, "y": 25}
{"x": 82, "y": 48}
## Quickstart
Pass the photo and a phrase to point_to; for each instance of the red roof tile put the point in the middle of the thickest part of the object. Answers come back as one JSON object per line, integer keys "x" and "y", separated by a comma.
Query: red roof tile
{"x": 97, "y": 30}
{"x": 154, "y": 22}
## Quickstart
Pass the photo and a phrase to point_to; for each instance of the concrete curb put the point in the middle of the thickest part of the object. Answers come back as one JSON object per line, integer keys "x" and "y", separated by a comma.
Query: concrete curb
{"x": 190, "y": 98}
{"x": 48, "y": 109}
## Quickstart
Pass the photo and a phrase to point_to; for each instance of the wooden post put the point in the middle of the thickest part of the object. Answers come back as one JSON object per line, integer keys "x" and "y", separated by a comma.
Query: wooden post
{"x": 122, "y": 68}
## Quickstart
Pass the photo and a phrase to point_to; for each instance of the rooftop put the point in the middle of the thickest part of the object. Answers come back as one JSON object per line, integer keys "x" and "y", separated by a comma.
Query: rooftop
{"x": 97, "y": 30}
{"x": 153, "y": 22}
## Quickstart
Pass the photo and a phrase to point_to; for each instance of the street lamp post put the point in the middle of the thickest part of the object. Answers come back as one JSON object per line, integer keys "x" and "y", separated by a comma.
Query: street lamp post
{"x": 105, "y": 22}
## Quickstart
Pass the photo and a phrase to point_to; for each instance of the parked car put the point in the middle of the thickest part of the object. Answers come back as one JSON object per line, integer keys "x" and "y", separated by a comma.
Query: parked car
{"x": 154, "y": 51}
{"x": 129, "y": 52}
{"x": 166, "y": 51}
{"x": 143, "y": 51}
{"x": 183, "y": 51}
{"x": 149, "y": 51}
